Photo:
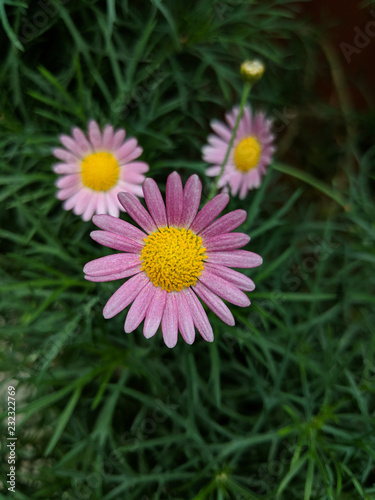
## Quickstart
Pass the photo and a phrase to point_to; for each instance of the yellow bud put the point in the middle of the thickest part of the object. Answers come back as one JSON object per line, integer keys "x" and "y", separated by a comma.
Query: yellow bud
{"x": 252, "y": 71}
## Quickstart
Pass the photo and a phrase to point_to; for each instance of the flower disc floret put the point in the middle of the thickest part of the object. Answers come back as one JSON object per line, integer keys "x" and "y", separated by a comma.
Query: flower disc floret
{"x": 247, "y": 154}
{"x": 173, "y": 258}
{"x": 100, "y": 171}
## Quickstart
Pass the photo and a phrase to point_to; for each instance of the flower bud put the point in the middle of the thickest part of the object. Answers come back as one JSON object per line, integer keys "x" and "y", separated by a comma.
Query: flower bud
{"x": 252, "y": 70}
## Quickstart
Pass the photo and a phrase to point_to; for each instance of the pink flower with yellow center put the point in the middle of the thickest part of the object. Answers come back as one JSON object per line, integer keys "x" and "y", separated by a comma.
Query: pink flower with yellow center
{"x": 251, "y": 152}
{"x": 93, "y": 169}
{"x": 177, "y": 256}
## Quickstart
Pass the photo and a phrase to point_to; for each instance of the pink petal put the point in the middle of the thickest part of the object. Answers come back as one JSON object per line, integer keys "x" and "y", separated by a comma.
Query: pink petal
{"x": 169, "y": 322}
{"x": 247, "y": 118}
{"x": 107, "y": 139}
{"x": 101, "y": 207}
{"x": 65, "y": 156}
{"x": 252, "y": 181}
{"x": 118, "y": 139}
{"x": 139, "y": 307}
{"x": 125, "y": 295}
{"x": 199, "y": 315}
{"x": 135, "y": 189}
{"x": 243, "y": 190}
{"x": 135, "y": 209}
{"x": 116, "y": 241}
{"x": 68, "y": 181}
{"x": 235, "y": 182}
{"x": 213, "y": 171}
{"x": 70, "y": 144}
{"x": 127, "y": 148}
{"x": 260, "y": 124}
{"x": 111, "y": 264}
{"x": 213, "y": 154}
{"x": 226, "y": 241}
{"x": 224, "y": 289}
{"x": 231, "y": 117}
{"x": 115, "y": 276}
{"x": 66, "y": 168}
{"x": 154, "y": 313}
{"x": 154, "y": 202}
{"x": 174, "y": 199}
{"x": 214, "y": 303}
{"x": 238, "y": 279}
{"x": 66, "y": 193}
{"x": 209, "y": 212}
{"x": 91, "y": 207}
{"x": 71, "y": 196}
{"x": 82, "y": 142}
{"x": 119, "y": 226}
{"x": 221, "y": 130}
{"x": 242, "y": 130}
{"x": 95, "y": 135}
{"x": 235, "y": 258}
{"x": 192, "y": 198}
{"x": 217, "y": 143}
{"x": 112, "y": 207}
{"x": 138, "y": 166}
{"x": 82, "y": 202}
{"x": 185, "y": 320}
{"x": 130, "y": 176}
{"x": 225, "y": 224}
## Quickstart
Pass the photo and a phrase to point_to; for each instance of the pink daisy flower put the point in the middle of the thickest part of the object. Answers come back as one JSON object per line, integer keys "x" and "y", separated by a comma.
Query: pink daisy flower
{"x": 96, "y": 168}
{"x": 251, "y": 152}
{"x": 179, "y": 255}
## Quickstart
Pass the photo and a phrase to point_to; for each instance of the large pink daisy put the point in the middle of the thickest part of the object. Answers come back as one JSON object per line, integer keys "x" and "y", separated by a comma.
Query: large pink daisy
{"x": 251, "y": 152}
{"x": 178, "y": 255}
{"x": 96, "y": 168}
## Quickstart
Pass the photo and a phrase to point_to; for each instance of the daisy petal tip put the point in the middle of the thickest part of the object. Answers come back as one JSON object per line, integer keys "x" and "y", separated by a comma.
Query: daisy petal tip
{"x": 148, "y": 182}
{"x": 258, "y": 260}
{"x": 243, "y": 213}
{"x": 128, "y": 328}
{"x": 86, "y": 216}
{"x": 107, "y": 313}
{"x": 93, "y": 123}
{"x": 96, "y": 219}
{"x": 170, "y": 343}
{"x": 174, "y": 176}
{"x": 122, "y": 197}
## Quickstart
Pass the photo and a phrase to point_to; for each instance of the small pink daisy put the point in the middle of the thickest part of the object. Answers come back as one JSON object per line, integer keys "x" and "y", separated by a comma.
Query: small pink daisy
{"x": 251, "y": 152}
{"x": 178, "y": 255}
{"x": 96, "y": 168}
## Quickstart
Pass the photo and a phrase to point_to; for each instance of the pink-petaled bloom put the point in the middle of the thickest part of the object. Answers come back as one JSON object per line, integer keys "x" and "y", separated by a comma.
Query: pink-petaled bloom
{"x": 179, "y": 255}
{"x": 251, "y": 152}
{"x": 93, "y": 169}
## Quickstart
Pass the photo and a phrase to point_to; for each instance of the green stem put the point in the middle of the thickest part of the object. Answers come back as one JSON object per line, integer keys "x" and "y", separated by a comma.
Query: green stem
{"x": 245, "y": 93}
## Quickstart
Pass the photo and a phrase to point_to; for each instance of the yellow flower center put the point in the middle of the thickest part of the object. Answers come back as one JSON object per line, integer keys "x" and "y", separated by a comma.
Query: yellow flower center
{"x": 100, "y": 171}
{"x": 173, "y": 258}
{"x": 247, "y": 153}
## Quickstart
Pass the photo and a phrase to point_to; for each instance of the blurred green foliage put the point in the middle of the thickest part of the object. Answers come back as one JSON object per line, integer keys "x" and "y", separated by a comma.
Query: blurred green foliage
{"x": 281, "y": 406}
